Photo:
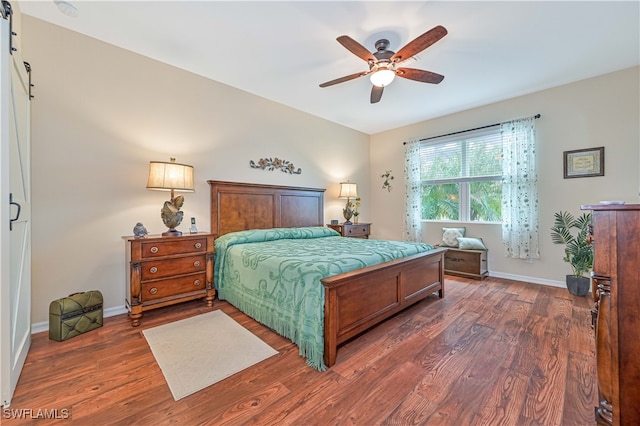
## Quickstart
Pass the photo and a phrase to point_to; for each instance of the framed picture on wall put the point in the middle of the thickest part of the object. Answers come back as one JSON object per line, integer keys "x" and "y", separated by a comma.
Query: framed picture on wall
{"x": 584, "y": 162}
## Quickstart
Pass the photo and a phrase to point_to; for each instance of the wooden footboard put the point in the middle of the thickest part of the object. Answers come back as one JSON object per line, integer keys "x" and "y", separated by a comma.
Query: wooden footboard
{"x": 358, "y": 300}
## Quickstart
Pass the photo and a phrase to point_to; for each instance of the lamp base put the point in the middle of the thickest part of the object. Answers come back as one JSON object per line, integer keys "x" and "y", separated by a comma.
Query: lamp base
{"x": 172, "y": 233}
{"x": 347, "y": 222}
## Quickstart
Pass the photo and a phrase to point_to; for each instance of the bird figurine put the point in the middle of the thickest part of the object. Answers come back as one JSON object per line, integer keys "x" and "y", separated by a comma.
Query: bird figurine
{"x": 139, "y": 230}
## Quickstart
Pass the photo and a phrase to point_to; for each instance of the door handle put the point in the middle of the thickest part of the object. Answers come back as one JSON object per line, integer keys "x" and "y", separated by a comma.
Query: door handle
{"x": 11, "y": 202}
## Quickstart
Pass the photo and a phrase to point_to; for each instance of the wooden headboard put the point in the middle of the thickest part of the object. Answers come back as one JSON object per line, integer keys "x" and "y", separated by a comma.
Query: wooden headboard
{"x": 240, "y": 206}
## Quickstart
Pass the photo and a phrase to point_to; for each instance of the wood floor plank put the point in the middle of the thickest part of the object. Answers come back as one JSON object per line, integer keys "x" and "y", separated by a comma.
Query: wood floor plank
{"x": 581, "y": 389}
{"x": 547, "y": 382}
{"x": 390, "y": 391}
{"x": 504, "y": 399}
{"x": 582, "y": 332}
{"x": 443, "y": 361}
{"x": 529, "y": 341}
{"x": 492, "y": 352}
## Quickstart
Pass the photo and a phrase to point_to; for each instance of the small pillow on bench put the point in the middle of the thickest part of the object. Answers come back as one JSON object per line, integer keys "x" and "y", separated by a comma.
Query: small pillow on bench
{"x": 470, "y": 243}
{"x": 450, "y": 236}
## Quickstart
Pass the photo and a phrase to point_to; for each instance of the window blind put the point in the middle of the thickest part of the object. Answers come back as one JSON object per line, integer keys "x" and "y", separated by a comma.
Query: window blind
{"x": 469, "y": 157}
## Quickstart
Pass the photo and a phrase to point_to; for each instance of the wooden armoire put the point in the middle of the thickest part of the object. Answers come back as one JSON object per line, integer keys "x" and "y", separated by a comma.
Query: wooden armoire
{"x": 616, "y": 292}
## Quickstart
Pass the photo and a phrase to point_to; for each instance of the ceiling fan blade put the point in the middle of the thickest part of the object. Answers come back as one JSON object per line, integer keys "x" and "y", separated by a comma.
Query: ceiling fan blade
{"x": 345, "y": 78}
{"x": 419, "y": 75}
{"x": 420, "y": 43}
{"x": 356, "y": 48}
{"x": 376, "y": 94}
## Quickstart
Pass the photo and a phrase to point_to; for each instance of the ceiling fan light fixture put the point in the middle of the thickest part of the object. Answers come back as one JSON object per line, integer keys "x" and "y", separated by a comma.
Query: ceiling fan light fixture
{"x": 382, "y": 78}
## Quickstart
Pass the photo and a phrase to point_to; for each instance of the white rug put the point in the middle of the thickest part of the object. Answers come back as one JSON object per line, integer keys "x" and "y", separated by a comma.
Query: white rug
{"x": 197, "y": 352}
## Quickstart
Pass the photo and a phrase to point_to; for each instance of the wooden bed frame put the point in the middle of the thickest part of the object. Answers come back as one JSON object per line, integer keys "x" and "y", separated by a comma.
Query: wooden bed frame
{"x": 354, "y": 301}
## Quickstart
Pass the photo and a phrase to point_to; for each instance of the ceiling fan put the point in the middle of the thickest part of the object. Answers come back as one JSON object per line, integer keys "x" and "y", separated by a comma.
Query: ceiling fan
{"x": 383, "y": 63}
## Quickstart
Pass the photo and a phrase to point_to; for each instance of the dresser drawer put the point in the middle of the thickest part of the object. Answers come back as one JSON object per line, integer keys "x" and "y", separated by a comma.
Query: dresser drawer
{"x": 156, "y": 269}
{"x": 167, "y": 248}
{"x": 172, "y": 286}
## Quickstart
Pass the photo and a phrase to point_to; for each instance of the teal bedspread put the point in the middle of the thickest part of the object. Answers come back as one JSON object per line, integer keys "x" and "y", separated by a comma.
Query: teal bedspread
{"x": 274, "y": 276}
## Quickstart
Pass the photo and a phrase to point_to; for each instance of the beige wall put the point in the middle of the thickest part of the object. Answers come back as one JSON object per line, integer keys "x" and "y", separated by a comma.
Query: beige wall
{"x": 101, "y": 113}
{"x": 602, "y": 111}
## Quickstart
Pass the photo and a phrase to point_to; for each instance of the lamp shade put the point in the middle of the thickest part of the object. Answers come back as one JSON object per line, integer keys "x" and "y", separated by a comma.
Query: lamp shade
{"x": 165, "y": 176}
{"x": 382, "y": 78}
{"x": 348, "y": 190}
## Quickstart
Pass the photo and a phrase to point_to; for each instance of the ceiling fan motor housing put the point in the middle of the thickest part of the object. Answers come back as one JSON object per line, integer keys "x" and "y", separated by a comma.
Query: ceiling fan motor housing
{"x": 383, "y": 57}
{"x": 382, "y": 44}
{"x": 384, "y": 64}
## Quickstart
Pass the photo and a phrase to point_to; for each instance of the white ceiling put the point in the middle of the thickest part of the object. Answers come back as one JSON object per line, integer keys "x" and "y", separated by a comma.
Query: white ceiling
{"x": 282, "y": 50}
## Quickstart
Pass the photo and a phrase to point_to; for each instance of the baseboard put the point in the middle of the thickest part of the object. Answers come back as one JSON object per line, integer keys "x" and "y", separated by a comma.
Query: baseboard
{"x": 109, "y": 312}
{"x": 533, "y": 280}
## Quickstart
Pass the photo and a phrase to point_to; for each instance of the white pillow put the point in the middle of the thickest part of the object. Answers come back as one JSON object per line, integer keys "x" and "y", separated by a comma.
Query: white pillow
{"x": 450, "y": 236}
{"x": 471, "y": 244}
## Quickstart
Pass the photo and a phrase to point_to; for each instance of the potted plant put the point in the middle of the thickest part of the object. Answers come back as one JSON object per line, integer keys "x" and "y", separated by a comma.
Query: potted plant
{"x": 356, "y": 213}
{"x": 578, "y": 251}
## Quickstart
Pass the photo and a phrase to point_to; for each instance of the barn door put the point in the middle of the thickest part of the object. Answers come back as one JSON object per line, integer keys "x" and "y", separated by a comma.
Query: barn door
{"x": 15, "y": 227}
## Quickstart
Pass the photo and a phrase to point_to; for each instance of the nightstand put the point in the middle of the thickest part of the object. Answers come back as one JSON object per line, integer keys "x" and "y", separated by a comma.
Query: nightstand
{"x": 354, "y": 230}
{"x": 164, "y": 271}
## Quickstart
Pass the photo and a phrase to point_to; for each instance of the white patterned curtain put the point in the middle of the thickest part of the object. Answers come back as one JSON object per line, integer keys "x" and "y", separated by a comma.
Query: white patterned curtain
{"x": 413, "y": 201}
{"x": 519, "y": 189}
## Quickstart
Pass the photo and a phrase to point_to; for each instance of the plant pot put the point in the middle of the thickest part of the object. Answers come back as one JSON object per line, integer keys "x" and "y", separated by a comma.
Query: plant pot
{"x": 578, "y": 286}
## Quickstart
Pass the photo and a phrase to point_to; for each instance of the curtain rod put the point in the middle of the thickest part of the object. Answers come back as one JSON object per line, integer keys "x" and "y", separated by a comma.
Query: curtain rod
{"x": 465, "y": 131}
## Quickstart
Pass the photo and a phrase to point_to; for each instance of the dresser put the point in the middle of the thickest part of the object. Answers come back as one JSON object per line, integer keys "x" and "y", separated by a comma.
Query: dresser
{"x": 616, "y": 291}
{"x": 353, "y": 230}
{"x": 164, "y": 271}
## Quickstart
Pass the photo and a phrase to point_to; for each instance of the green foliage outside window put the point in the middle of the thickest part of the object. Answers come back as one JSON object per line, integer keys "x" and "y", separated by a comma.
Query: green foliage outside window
{"x": 486, "y": 201}
{"x": 441, "y": 202}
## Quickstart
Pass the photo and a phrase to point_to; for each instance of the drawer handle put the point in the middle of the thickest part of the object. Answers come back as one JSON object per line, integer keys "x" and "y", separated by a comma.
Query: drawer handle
{"x": 153, "y": 290}
{"x": 154, "y": 249}
{"x": 196, "y": 282}
{"x": 153, "y": 270}
{"x": 196, "y": 263}
{"x": 198, "y": 245}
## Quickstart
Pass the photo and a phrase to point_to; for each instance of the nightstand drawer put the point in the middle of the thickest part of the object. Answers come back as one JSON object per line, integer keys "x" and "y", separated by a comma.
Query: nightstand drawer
{"x": 164, "y": 268}
{"x": 356, "y": 230}
{"x": 167, "y": 248}
{"x": 353, "y": 230}
{"x": 172, "y": 286}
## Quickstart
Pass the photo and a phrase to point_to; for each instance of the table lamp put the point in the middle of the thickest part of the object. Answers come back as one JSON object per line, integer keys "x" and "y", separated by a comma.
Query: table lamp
{"x": 348, "y": 190}
{"x": 172, "y": 177}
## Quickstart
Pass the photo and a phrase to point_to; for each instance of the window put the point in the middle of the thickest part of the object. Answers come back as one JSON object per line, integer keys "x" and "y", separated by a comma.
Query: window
{"x": 461, "y": 177}
{"x": 481, "y": 175}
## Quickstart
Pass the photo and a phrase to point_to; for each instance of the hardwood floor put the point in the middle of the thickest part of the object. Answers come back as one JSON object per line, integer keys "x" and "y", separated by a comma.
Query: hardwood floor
{"x": 492, "y": 352}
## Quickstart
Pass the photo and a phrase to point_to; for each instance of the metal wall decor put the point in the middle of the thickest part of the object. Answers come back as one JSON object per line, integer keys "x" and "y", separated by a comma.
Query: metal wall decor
{"x": 272, "y": 164}
{"x": 387, "y": 180}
